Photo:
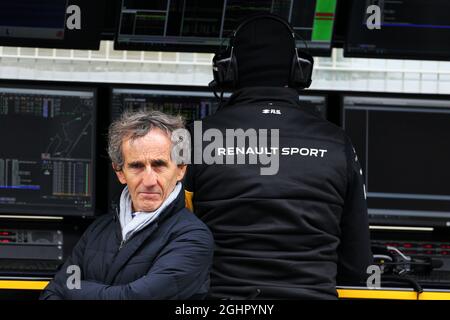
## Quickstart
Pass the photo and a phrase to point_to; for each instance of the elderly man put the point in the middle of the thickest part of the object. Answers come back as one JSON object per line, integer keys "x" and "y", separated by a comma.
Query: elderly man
{"x": 150, "y": 247}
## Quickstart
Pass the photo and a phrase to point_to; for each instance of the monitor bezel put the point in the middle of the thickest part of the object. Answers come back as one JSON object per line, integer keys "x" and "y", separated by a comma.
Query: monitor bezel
{"x": 133, "y": 46}
{"x": 391, "y": 54}
{"x": 96, "y": 20}
{"x": 61, "y": 212}
{"x": 397, "y": 220}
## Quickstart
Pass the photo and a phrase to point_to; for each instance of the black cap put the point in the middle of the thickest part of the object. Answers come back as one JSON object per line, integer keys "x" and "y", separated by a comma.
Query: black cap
{"x": 264, "y": 49}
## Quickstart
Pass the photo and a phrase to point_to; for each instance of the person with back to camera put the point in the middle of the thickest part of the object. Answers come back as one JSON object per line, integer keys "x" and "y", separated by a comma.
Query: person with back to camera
{"x": 150, "y": 246}
{"x": 295, "y": 232}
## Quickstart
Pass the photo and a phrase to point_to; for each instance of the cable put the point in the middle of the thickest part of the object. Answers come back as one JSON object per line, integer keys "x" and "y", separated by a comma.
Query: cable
{"x": 304, "y": 41}
{"x": 399, "y": 252}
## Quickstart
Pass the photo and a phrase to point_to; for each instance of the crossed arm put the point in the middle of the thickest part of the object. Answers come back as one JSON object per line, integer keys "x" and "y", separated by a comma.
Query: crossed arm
{"x": 178, "y": 273}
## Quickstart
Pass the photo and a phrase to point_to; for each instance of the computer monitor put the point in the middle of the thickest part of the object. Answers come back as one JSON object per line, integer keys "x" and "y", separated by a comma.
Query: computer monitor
{"x": 192, "y": 105}
{"x": 410, "y": 29}
{"x": 204, "y": 26}
{"x": 51, "y": 23}
{"x": 47, "y": 151}
{"x": 403, "y": 145}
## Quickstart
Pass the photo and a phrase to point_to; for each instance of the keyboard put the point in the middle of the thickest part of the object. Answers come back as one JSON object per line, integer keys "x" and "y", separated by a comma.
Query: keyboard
{"x": 13, "y": 267}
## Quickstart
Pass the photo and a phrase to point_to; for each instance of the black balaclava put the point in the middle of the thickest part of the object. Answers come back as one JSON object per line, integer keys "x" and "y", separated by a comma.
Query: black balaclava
{"x": 264, "y": 51}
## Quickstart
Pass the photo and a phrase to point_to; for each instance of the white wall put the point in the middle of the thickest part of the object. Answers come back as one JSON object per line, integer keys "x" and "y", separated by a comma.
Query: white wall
{"x": 108, "y": 65}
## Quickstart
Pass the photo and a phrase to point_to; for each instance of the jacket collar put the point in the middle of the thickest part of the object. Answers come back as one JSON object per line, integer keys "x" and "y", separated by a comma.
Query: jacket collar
{"x": 175, "y": 206}
{"x": 250, "y": 95}
{"x": 136, "y": 241}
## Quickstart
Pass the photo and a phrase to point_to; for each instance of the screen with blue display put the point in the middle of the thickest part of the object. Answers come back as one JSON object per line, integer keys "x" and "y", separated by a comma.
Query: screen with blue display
{"x": 409, "y": 29}
{"x": 47, "y": 150}
{"x": 71, "y": 24}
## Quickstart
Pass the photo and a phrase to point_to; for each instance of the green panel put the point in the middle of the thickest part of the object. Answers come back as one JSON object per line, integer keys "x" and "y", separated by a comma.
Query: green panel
{"x": 326, "y": 6}
{"x": 323, "y": 29}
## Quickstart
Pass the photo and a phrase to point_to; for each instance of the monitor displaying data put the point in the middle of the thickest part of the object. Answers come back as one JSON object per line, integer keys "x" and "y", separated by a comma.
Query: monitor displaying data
{"x": 72, "y": 24}
{"x": 409, "y": 29}
{"x": 191, "y": 105}
{"x": 47, "y": 150}
{"x": 203, "y": 26}
{"x": 31, "y": 19}
{"x": 403, "y": 145}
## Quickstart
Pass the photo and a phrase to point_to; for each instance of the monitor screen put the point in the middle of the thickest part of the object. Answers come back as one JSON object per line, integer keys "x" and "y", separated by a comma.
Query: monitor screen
{"x": 51, "y": 23}
{"x": 203, "y": 26}
{"x": 409, "y": 29}
{"x": 403, "y": 145}
{"x": 47, "y": 150}
{"x": 192, "y": 105}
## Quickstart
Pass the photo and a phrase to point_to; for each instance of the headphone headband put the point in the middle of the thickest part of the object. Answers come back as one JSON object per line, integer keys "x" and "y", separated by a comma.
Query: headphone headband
{"x": 261, "y": 16}
{"x": 225, "y": 66}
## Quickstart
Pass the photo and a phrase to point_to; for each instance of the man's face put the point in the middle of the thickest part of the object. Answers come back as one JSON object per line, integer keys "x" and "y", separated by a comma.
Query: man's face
{"x": 148, "y": 170}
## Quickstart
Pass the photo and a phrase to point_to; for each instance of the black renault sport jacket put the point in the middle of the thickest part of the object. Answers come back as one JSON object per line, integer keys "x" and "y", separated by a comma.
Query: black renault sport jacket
{"x": 292, "y": 234}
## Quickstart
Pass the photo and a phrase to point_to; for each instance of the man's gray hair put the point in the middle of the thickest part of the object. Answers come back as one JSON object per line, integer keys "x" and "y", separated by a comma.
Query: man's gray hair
{"x": 136, "y": 124}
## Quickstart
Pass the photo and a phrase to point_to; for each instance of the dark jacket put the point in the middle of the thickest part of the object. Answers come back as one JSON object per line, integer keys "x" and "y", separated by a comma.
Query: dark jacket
{"x": 290, "y": 235}
{"x": 168, "y": 259}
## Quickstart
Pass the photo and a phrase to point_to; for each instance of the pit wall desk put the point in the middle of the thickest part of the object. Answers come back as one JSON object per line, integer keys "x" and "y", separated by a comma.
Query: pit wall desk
{"x": 344, "y": 292}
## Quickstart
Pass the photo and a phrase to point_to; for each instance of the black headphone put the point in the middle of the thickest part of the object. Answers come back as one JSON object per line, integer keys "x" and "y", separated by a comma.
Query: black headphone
{"x": 225, "y": 68}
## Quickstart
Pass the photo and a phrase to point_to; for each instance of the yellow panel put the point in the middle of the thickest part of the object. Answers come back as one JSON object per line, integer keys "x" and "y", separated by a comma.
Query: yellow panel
{"x": 23, "y": 285}
{"x": 188, "y": 200}
{"x": 343, "y": 293}
{"x": 434, "y": 296}
{"x": 376, "y": 294}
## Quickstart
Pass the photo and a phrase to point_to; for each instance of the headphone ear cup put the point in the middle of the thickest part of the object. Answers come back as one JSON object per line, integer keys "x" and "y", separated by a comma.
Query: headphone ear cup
{"x": 301, "y": 70}
{"x": 225, "y": 70}
{"x": 219, "y": 68}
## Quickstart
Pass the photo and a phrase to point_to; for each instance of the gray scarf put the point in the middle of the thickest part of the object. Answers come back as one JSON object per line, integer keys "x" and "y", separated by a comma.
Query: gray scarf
{"x": 131, "y": 225}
